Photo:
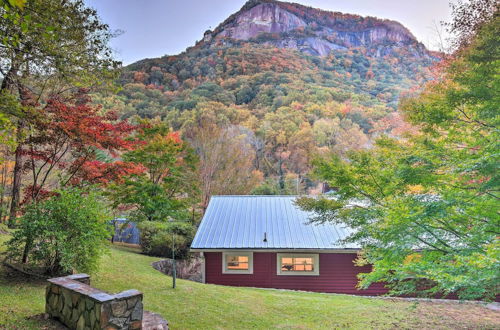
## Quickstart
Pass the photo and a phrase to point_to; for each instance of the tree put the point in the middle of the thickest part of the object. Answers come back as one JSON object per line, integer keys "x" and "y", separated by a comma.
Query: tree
{"x": 64, "y": 145}
{"x": 165, "y": 188}
{"x": 44, "y": 56}
{"x": 50, "y": 230}
{"x": 226, "y": 160}
{"x": 425, "y": 208}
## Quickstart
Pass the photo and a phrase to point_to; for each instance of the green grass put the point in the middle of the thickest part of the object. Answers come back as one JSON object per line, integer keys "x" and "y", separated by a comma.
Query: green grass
{"x": 200, "y": 306}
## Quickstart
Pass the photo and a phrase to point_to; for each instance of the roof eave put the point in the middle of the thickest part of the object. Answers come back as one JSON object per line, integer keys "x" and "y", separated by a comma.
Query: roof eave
{"x": 325, "y": 250}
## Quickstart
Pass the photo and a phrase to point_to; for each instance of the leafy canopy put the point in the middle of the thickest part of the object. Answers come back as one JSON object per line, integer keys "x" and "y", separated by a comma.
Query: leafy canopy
{"x": 425, "y": 208}
{"x": 165, "y": 185}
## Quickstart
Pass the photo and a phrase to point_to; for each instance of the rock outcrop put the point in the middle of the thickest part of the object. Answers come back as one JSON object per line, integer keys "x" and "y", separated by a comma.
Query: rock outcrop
{"x": 312, "y": 31}
{"x": 263, "y": 18}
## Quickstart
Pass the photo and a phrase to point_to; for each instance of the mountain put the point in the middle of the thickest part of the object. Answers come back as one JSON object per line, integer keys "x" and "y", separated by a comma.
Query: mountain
{"x": 310, "y": 30}
{"x": 276, "y": 84}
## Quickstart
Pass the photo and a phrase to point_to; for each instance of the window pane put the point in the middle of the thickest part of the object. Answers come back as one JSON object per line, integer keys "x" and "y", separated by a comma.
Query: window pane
{"x": 237, "y": 262}
{"x": 240, "y": 266}
{"x": 303, "y": 261}
{"x": 299, "y": 268}
{"x": 297, "y": 264}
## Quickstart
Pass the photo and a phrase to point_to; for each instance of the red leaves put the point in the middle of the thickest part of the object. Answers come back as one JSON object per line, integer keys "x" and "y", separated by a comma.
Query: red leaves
{"x": 174, "y": 137}
{"x": 103, "y": 173}
{"x": 68, "y": 136}
{"x": 82, "y": 125}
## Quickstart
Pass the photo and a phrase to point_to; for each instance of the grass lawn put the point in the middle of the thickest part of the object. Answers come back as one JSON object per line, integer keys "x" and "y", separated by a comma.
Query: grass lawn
{"x": 199, "y": 306}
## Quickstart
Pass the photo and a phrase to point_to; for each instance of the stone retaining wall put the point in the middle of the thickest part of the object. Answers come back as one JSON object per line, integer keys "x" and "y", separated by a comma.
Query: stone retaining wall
{"x": 190, "y": 269}
{"x": 75, "y": 303}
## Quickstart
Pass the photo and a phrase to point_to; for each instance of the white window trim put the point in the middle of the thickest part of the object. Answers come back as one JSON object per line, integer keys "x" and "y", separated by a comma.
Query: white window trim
{"x": 315, "y": 258}
{"x": 225, "y": 270}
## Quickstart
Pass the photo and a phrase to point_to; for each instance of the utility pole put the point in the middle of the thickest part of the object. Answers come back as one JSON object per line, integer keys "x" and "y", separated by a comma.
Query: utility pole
{"x": 174, "y": 270}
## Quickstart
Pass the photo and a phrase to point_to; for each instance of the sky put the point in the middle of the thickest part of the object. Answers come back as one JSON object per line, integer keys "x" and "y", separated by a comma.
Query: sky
{"x": 154, "y": 28}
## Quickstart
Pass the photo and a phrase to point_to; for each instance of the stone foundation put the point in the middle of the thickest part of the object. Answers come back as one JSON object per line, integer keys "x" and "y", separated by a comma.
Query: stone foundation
{"x": 79, "y": 306}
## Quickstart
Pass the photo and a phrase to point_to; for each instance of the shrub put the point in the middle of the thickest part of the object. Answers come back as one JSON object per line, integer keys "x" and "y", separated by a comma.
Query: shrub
{"x": 156, "y": 238}
{"x": 65, "y": 233}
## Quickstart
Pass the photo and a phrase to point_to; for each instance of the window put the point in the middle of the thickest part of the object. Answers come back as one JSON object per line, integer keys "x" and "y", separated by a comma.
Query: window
{"x": 237, "y": 263}
{"x": 298, "y": 264}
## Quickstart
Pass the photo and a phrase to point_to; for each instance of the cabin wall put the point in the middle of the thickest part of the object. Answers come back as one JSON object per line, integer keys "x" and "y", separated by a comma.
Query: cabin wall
{"x": 337, "y": 274}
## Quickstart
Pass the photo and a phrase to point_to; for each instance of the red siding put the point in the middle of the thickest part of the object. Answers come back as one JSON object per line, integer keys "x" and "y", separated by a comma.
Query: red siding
{"x": 337, "y": 274}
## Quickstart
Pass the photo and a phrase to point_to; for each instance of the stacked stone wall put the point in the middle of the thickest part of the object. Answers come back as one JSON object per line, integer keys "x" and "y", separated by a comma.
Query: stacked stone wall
{"x": 75, "y": 303}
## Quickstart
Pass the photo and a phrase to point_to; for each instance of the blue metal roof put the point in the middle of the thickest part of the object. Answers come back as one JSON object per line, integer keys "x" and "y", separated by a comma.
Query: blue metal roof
{"x": 242, "y": 222}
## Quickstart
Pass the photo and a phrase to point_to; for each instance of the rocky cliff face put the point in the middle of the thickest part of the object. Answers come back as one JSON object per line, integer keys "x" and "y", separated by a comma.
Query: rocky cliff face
{"x": 310, "y": 30}
{"x": 263, "y": 18}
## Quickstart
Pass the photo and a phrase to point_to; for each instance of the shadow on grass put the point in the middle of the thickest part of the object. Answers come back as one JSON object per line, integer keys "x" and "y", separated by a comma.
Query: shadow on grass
{"x": 29, "y": 289}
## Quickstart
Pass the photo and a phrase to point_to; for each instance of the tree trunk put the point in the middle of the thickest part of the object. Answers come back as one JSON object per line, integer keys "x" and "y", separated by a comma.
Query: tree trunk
{"x": 9, "y": 83}
{"x": 16, "y": 187}
{"x": 2, "y": 193}
{"x": 27, "y": 248}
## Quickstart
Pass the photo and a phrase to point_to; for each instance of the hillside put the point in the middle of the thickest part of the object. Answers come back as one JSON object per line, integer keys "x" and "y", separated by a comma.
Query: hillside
{"x": 279, "y": 83}
{"x": 199, "y": 306}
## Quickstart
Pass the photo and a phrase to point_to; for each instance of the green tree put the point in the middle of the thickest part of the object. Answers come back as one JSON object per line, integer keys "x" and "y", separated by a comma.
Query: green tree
{"x": 65, "y": 233}
{"x": 425, "y": 208}
{"x": 166, "y": 188}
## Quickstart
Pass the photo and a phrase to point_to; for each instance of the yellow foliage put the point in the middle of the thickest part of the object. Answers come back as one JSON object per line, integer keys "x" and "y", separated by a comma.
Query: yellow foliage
{"x": 415, "y": 189}
{"x": 414, "y": 257}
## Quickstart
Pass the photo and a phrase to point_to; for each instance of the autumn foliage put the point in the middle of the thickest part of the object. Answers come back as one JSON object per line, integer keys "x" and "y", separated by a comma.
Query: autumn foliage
{"x": 66, "y": 139}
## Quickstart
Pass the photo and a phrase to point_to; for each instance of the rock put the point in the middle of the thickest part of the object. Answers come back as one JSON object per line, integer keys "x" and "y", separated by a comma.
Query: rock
{"x": 110, "y": 327}
{"x": 153, "y": 321}
{"x": 97, "y": 311}
{"x": 60, "y": 304}
{"x": 105, "y": 315}
{"x": 494, "y": 306}
{"x": 66, "y": 313}
{"x": 67, "y": 298}
{"x": 81, "y": 306}
{"x": 75, "y": 297}
{"x": 75, "y": 316}
{"x": 55, "y": 289}
{"x": 136, "y": 325}
{"x": 86, "y": 314}
{"x": 263, "y": 18}
{"x": 118, "y": 321}
{"x": 53, "y": 301}
{"x": 132, "y": 302}
{"x": 89, "y": 304}
{"x": 80, "y": 325}
{"x": 119, "y": 308}
{"x": 287, "y": 25}
{"x": 137, "y": 312}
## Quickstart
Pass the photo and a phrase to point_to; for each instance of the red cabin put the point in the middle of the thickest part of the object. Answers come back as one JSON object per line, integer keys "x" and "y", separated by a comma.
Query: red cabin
{"x": 269, "y": 242}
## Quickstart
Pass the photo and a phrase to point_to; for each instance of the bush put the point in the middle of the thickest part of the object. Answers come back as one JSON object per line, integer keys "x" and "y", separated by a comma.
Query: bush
{"x": 65, "y": 233}
{"x": 156, "y": 238}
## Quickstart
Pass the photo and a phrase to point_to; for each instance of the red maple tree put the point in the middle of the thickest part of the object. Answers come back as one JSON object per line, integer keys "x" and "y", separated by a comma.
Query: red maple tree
{"x": 67, "y": 138}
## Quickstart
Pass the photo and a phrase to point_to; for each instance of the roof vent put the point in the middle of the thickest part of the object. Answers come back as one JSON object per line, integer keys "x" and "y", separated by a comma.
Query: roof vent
{"x": 265, "y": 237}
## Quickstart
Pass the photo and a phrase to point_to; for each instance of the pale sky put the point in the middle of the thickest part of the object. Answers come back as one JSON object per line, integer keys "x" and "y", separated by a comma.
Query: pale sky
{"x": 153, "y": 28}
